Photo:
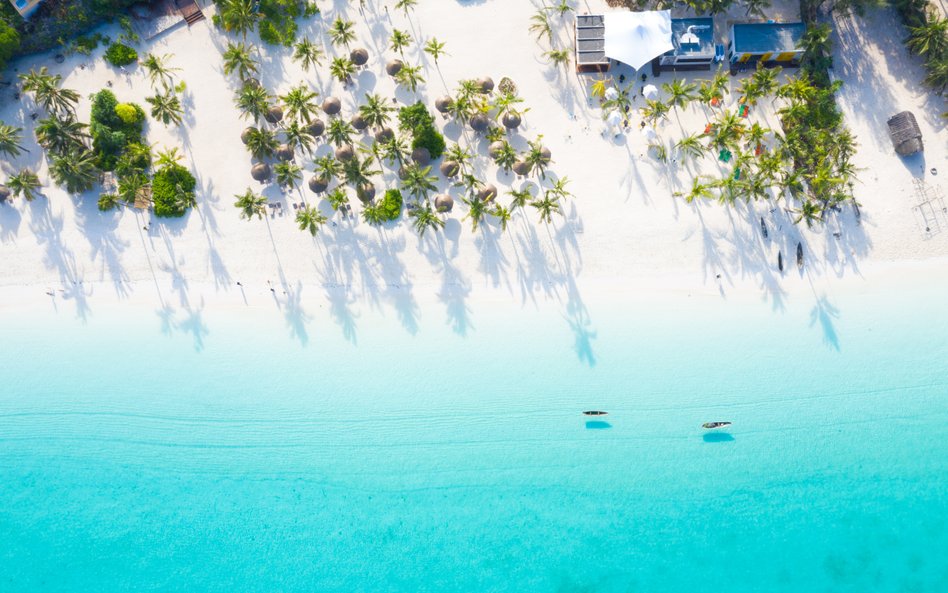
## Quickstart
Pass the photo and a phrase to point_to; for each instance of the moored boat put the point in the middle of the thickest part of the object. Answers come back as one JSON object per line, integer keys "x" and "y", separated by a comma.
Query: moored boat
{"x": 780, "y": 260}
{"x": 594, "y": 413}
{"x": 799, "y": 255}
{"x": 713, "y": 425}
{"x": 763, "y": 227}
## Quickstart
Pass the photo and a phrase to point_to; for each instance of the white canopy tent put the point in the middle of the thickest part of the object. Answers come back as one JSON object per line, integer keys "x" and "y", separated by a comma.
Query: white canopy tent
{"x": 634, "y": 38}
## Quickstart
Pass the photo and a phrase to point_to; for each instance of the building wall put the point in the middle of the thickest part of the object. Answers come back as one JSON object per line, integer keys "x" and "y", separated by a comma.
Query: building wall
{"x": 25, "y": 7}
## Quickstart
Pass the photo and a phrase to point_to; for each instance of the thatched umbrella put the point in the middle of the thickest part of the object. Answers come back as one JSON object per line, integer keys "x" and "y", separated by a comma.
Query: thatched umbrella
{"x": 316, "y": 128}
{"x": 403, "y": 172}
{"x": 487, "y": 193}
{"x": 479, "y": 122}
{"x": 905, "y": 133}
{"x": 443, "y": 103}
{"x": 496, "y": 148}
{"x": 444, "y": 203}
{"x": 5, "y": 193}
{"x": 545, "y": 155}
{"x": 421, "y": 156}
{"x": 450, "y": 169}
{"x": 359, "y": 56}
{"x": 318, "y": 185}
{"x": 274, "y": 114}
{"x": 384, "y": 135}
{"x": 332, "y": 105}
{"x": 485, "y": 84}
{"x": 358, "y": 122}
{"x": 261, "y": 172}
{"x": 512, "y": 120}
{"x": 252, "y": 82}
{"x": 365, "y": 192}
{"x": 284, "y": 152}
{"x": 521, "y": 168}
{"x": 394, "y": 67}
{"x": 344, "y": 153}
{"x": 245, "y": 135}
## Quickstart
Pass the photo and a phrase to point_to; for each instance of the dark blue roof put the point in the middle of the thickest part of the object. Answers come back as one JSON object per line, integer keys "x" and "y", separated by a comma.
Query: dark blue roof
{"x": 702, "y": 28}
{"x": 757, "y": 38}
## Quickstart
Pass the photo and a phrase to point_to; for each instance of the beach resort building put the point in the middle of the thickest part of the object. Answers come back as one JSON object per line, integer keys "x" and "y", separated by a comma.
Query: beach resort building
{"x": 773, "y": 44}
{"x": 25, "y": 7}
{"x": 693, "y": 39}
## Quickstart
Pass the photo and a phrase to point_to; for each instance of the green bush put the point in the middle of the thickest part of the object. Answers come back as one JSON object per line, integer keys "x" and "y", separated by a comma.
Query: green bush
{"x": 413, "y": 117}
{"x": 110, "y": 132}
{"x": 119, "y": 54}
{"x": 127, "y": 113}
{"x": 172, "y": 191}
{"x": 107, "y": 202}
{"x": 431, "y": 139}
{"x": 9, "y": 43}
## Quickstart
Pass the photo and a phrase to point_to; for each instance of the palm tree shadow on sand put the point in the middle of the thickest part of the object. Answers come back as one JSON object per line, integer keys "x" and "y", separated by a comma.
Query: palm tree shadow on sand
{"x": 825, "y": 314}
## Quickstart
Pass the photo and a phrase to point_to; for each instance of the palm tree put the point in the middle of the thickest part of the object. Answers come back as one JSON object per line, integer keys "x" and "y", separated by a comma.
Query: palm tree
{"x": 547, "y": 206}
{"x": 756, "y": 7}
{"x": 47, "y": 93}
{"x": 476, "y": 209}
{"x": 459, "y": 155}
{"x": 341, "y": 33}
{"x": 158, "y": 70}
{"x": 691, "y": 146}
{"x": 394, "y": 149}
{"x": 721, "y": 83}
{"x": 424, "y": 218}
{"x": 537, "y": 157}
{"x": 237, "y": 59}
{"x": 679, "y": 94}
{"x": 503, "y": 215}
{"x": 358, "y": 172}
{"x": 598, "y": 88}
{"x": 654, "y": 111}
{"x": 410, "y": 77}
{"x": 300, "y": 103}
{"x": 130, "y": 185}
{"x": 238, "y": 16}
{"x": 418, "y": 181}
{"x": 405, "y": 5}
{"x": 817, "y": 40}
{"x": 435, "y": 49}
{"x": 936, "y": 76}
{"x": 307, "y": 53}
{"x": 809, "y": 213}
{"x": 540, "y": 25}
{"x": 60, "y": 135}
{"x": 24, "y": 183}
{"x": 398, "y": 41}
{"x": 309, "y": 218}
{"x": 621, "y": 103}
{"x": 297, "y": 135}
{"x": 327, "y": 168}
{"x": 749, "y": 91}
{"x": 10, "y": 138}
{"x": 506, "y": 156}
{"x": 168, "y": 157}
{"x": 338, "y": 197}
{"x": 558, "y": 189}
{"x": 728, "y": 129}
{"x": 699, "y": 189}
{"x": 376, "y": 111}
{"x": 561, "y": 8}
{"x": 251, "y": 204}
{"x": 76, "y": 170}
{"x": 339, "y": 132}
{"x": 730, "y": 188}
{"x": 261, "y": 142}
{"x": 521, "y": 197}
{"x": 765, "y": 79}
{"x": 708, "y": 94}
{"x": 342, "y": 69}
{"x": 253, "y": 101}
{"x": 558, "y": 57}
{"x": 288, "y": 174}
{"x": 166, "y": 107}
{"x": 755, "y": 136}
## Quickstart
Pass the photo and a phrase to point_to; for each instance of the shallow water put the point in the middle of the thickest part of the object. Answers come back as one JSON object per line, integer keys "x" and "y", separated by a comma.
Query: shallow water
{"x": 137, "y": 460}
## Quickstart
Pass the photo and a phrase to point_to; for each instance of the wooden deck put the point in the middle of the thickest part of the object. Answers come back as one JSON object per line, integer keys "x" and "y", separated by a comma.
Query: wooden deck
{"x": 190, "y": 11}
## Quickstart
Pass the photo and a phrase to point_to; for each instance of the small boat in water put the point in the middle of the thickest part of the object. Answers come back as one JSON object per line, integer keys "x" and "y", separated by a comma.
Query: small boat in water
{"x": 763, "y": 227}
{"x": 800, "y": 255}
{"x": 780, "y": 260}
{"x": 713, "y": 425}
{"x": 594, "y": 413}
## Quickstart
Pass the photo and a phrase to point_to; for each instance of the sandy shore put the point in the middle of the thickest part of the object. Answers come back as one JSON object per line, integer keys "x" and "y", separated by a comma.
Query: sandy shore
{"x": 624, "y": 234}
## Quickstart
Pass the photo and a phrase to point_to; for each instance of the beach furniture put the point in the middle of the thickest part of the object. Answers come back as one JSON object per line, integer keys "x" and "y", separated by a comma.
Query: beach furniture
{"x": 905, "y": 133}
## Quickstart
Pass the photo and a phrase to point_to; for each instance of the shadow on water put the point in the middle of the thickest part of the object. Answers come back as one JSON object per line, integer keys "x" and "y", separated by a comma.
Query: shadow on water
{"x": 717, "y": 437}
{"x": 597, "y": 425}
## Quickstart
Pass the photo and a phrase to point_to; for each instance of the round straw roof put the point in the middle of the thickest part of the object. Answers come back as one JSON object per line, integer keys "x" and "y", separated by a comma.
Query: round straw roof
{"x": 359, "y": 56}
{"x": 332, "y": 105}
{"x": 260, "y": 172}
{"x": 444, "y": 203}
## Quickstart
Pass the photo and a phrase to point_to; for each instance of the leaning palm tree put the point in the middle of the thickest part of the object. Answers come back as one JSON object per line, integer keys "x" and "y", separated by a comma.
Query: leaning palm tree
{"x": 166, "y": 107}
{"x": 261, "y": 142}
{"x": 341, "y": 32}
{"x": 435, "y": 49}
{"x": 327, "y": 168}
{"x": 239, "y": 16}
{"x": 520, "y": 198}
{"x": 680, "y": 94}
{"x": 765, "y": 79}
{"x": 817, "y": 41}
{"x": 936, "y": 76}
{"x": 459, "y": 155}
{"x": 503, "y": 216}
{"x": 809, "y": 213}
{"x": 691, "y": 146}
{"x": 537, "y": 157}
{"x": 505, "y": 156}
{"x": 654, "y": 111}
{"x": 424, "y": 218}
{"x": 476, "y": 210}
{"x": 929, "y": 39}
{"x": 342, "y": 69}
{"x": 251, "y": 204}
{"x": 307, "y": 53}
{"x": 410, "y": 77}
{"x": 288, "y": 175}
{"x": 60, "y": 135}
{"x": 418, "y": 181}
{"x": 10, "y": 138}
{"x": 48, "y": 94}
{"x": 721, "y": 82}
{"x": 699, "y": 190}
{"x": 309, "y": 218}
{"x": 25, "y": 183}
{"x": 158, "y": 70}
{"x": 237, "y": 59}
{"x": 547, "y": 207}
{"x": 394, "y": 149}
{"x": 253, "y": 101}
{"x": 558, "y": 57}
{"x": 540, "y": 25}
{"x": 300, "y": 103}
{"x": 376, "y": 111}
{"x": 339, "y": 132}
{"x": 405, "y": 5}
{"x": 297, "y": 135}
{"x": 558, "y": 189}
{"x": 398, "y": 41}
{"x": 728, "y": 130}
{"x": 76, "y": 171}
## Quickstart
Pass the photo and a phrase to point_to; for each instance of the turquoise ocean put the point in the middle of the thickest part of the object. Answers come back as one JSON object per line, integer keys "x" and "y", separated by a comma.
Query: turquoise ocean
{"x": 255, "y": 451}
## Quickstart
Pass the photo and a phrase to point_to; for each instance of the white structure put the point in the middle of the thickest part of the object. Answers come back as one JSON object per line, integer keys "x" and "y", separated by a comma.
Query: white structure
{"x": 634, "y": 38}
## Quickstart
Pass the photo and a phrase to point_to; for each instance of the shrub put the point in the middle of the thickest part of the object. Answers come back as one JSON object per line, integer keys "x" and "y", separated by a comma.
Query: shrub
{"x": 108, "y": 202}
{"x": 127, "y": 113}
{"x": 113, "y": 126}
{"x": 172, "y": 191}
{"x": 119, "y": 54}
{"x": 9, "y": 43}
{"x": 388, "y": 208}
{"x": 413, "y": 117}
{"x": 431, "y": 139}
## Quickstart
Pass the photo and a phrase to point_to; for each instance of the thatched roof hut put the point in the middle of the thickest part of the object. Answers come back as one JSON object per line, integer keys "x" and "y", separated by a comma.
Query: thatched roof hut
{"x": 546, "y": 155}
{"x": 512, "y": 120}
{"x": 332, "y": 105}
{"x": 261, "y": 172}
{"x": 252, "y": 82}
{"x": 245, "y": 135}
{"x": 358, "y": 122}
{"x": 496, "y": 148}
{"x": 421, "y": 156}
{"x": 485, "y": 84}
{"x": 384, "y": 135}
{"x": 317, "y": 185}
{"x": 487, "y": 193}
{"x": 284, "y": 152}
{"x": 449, "y": 169}
{"x": 359, "y": 56}
{"x": 274, "y": 114}
{"x": 316, "y": 128}
{"x": 365, "y": 192}
{"x": 393, "y": 67}
{"x": 521, "y": 168}
{"x": 479, "y": 122}
{"x": 905, "y": 133}
{"x": 443, "y": 103}
{"x": 444, "y": 203}
{"x": 345, "y": 153}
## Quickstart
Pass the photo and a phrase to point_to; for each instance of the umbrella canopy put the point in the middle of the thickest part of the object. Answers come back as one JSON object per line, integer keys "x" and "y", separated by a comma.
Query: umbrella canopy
{"x": 421, "y": 156}
{"x": 485, "y": 84}
{"x": 260, "y": 172}
{"x": 449, "y": 168}
{"x": 649, "y": 134}
{"x": 393, "y": 67}
{"x": 614, "y": 118}
{"x": 317, "y": 184}
{"x": 521, "y": 168}
{"x": 611, "y": 93}
{"x": 274, "y": 114}
{"x": 444, "y": 103}
{"x": 384, "y": 135}
{"x": 358, "y": 122}
{"x": 444, "y": 203}
{"x": 5, "y": 193}
{"x": 285, "y": 152}
{"x": 650, "y": 91}
{"x": 511, "y": 120}
{"x": 488, "y": 193}
{"x": 479, "y": 122}
{"x": 245, "y": 135}
{"x": 359, "y": 56}
{"x": 332, "y": 105}
{"x": 634, "y": 38}
{"x": 316, "y": 128}
{"x": 344, "y": 153}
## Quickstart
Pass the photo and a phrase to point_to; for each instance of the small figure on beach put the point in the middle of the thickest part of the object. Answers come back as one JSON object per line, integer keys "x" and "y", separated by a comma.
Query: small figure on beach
{"x": 238, "y": 283}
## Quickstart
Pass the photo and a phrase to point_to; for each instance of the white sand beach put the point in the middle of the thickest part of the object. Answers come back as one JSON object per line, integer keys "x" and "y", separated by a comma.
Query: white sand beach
{"x": 623, "y": 234}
